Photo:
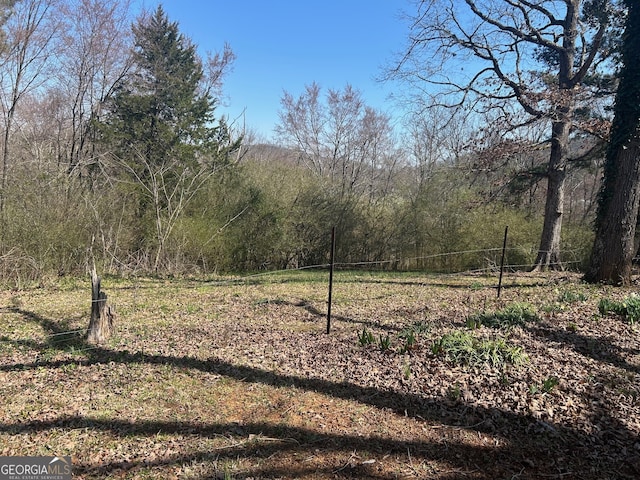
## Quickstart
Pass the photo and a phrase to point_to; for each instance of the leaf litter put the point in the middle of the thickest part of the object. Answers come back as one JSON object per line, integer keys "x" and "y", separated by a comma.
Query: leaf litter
{"x": 207, "y": 380}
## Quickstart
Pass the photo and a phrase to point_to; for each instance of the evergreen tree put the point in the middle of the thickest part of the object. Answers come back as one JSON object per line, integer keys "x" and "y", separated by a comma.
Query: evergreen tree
{"x": 162, "y": 130}
{"x": 160, "y": 113}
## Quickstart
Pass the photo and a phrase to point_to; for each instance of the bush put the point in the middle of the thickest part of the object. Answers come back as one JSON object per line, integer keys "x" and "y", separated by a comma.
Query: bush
{"x": 49, "y": 230}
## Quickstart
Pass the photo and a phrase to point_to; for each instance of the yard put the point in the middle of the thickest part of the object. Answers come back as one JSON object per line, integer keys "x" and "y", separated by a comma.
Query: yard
{"x": 420, "y": 377}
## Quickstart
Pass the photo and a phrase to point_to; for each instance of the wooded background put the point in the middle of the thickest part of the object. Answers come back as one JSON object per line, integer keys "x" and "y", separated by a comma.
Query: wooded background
{"x": 112, "y": 149}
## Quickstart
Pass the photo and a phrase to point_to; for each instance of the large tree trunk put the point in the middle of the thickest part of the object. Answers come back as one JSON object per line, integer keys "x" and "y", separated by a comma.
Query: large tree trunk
{"x": 614, "y": 246}
{"x": 616, "y": 221}
{"x": 549, "y": 251}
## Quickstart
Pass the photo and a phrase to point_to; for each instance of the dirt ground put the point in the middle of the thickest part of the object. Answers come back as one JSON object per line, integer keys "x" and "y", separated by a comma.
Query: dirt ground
{"x": 221, "y": 379}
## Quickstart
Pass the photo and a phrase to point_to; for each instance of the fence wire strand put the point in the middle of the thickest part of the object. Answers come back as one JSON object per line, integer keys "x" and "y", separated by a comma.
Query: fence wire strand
{"x": 399, "y": 261}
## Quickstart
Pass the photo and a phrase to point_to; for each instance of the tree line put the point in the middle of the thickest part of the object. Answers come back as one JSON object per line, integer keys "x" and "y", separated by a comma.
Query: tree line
{"x": 113, "y": 151}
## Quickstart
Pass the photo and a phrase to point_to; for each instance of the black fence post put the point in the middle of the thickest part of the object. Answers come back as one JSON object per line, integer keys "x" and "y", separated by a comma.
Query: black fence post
{"x": 331, "y": 260}
{"x": 504, "y": 250}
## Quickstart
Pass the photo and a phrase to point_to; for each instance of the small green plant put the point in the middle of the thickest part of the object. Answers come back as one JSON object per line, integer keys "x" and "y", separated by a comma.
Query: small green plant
{"x": 365, "y": 338}
{"x": 547, "y": 386}
{"x": 462, "y": 348}
{"x": 456, "y": 346}
{"x": 385, "y": 343}
{"x": 421, "y": 328}
{"x": 454, "y": 393}
{"x": 629, "y": 308}
{"x": 473, "y": 322}
{"x": 410, "y": 342}
{"x": 406, "y": 370}
{"x": 554, "y": 307}
{"x": 570, "y": 296}
{"x": 632, "y": 309}
{"x": 416, "y": 329}
{"x": 516, "y": 314}
{"x": 606, "y": 306}
{"x": 410, "y": 336}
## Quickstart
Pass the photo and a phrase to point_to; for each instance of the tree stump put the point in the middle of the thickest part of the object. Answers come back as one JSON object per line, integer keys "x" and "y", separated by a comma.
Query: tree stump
{"x": 103, "y": 316}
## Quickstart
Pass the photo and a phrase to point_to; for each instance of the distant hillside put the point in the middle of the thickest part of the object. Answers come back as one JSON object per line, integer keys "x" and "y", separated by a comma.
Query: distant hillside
{"x": 267, "y": 153}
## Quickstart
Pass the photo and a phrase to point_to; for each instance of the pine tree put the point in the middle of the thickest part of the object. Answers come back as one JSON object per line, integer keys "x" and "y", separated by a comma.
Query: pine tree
{"x": 159, "y": 113}
{"x": 162, "y": 130}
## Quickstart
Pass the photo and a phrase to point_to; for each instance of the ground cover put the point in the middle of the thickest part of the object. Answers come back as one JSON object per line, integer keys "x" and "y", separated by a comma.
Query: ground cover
{"x": 421, "y": 377}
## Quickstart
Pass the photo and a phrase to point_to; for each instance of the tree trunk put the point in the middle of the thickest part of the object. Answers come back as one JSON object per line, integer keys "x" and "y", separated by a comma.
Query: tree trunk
{"x": 614, "y": 246}
{"x": 616, "y": 221}
{"x": 102, "y": 321}
{"x": 549, "y": 251}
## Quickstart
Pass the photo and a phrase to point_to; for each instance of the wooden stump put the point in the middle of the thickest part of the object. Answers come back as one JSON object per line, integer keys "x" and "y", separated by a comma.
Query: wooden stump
{"x": 103, "y": 316}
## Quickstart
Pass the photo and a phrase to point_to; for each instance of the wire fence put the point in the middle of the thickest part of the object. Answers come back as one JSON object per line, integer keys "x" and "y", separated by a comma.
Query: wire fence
{"x": 65, "y": 336}
{"x": 489, "y": 269}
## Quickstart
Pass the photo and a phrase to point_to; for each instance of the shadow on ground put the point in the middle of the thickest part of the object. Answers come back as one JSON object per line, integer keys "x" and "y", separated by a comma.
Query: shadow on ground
{"x": 530, "y": 448}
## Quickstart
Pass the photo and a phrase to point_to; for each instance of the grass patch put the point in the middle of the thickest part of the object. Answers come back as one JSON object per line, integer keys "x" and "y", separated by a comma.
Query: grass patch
{"x": 464, "y": 349}
{"x": 516, "y": 314}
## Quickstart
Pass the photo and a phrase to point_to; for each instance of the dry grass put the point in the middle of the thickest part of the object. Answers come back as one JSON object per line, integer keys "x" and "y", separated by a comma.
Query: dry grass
{"x": 208, "y": 379}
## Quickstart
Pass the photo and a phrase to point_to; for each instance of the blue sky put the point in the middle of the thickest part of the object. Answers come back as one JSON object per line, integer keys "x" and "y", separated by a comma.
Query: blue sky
{"x": 283, "y": 45}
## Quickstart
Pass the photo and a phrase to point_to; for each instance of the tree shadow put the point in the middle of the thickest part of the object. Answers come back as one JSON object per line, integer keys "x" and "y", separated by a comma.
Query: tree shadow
{"x": 532, "y": 447}
{"x": 599, "y": 349}
{"x": 59, "y": 335}
{"x": 283, "y": 440}
{"x": 320, "y": 315}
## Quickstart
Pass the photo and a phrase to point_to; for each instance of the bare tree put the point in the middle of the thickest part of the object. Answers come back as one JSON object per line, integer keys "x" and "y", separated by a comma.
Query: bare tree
{"x": 96, "y": 56}
{"x": 339, "y": 138}
{"x": 217, "y": 66}
{"x": 526, "y": 60}
{"x": 435, "y": 138}
{"x": 170, "y": 186}
{"x": 30, "y": 33}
